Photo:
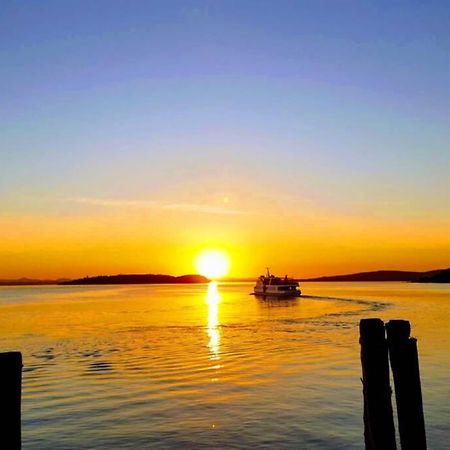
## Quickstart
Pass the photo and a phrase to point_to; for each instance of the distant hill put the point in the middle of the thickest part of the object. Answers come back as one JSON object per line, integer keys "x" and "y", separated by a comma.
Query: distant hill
{"x": 432, "y": 276}
{"x": 441, "y": 276}
{"x": 379, "y": 275}
{"x": 29, "y": 282}
{"x": 139, "y": 279}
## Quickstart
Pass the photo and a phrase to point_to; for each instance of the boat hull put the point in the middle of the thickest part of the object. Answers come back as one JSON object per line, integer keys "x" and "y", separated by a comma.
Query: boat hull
{"x": 274, "y": 293}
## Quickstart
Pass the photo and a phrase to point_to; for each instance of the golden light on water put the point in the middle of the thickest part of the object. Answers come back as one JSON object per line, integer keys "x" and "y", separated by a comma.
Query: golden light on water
{"x": 212, "y": 263}
{"x": 213, "y": 300}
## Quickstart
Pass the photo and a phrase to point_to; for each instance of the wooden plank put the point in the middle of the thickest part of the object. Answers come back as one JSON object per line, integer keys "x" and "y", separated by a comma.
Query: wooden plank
{"x": 379, "y": 431}
{"x": 10, "y": 400}
{"x": 408, "y": 393}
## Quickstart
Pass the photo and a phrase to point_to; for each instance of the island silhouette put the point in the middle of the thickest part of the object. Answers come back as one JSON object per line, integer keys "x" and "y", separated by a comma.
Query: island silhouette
{"x": 441, "y": 276}
{"x": 139, "y": 279}
{"x": 431, "y": 276}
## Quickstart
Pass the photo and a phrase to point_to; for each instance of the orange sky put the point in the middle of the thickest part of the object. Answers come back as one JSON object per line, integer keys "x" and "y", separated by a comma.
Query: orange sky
{"x": 89, "y": 237}
{"x": 134, "y": 135}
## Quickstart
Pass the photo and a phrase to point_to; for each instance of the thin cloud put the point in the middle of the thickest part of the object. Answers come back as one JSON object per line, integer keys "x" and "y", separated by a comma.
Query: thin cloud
{"x": 113, "y": 203}
{"x": 207, "y": 209}
{"x": 185, "y": 207}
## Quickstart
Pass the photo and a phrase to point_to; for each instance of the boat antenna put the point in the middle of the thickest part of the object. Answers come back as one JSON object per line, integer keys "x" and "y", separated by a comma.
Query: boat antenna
{"x": 268, "y": 272}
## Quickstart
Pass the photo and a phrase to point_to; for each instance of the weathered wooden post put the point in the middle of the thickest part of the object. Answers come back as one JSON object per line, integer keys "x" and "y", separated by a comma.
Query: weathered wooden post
{"x": 405, "y": 368}
{"x": 379, "y": 431}
{"x": 10, "y": 400}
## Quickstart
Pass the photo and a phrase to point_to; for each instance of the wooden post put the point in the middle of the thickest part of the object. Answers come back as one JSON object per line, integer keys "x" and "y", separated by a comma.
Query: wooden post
{"x": 379, "y": 431}
{"x": 408, "y": 393}
{"x": 10, "y": 399}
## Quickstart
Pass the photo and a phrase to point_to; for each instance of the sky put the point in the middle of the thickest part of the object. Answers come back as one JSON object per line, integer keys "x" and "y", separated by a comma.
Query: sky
{"x": 309, "y": 136}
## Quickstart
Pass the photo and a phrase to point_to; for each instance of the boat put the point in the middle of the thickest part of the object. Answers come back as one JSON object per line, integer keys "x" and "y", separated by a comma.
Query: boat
{"x": 272, "y": 286}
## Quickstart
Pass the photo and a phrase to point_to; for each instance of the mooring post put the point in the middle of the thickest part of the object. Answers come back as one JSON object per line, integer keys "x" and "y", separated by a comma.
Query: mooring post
{"x": 379, "y": 431}
{"x": 10, "y": 400}
{"x": 408, "y": 393}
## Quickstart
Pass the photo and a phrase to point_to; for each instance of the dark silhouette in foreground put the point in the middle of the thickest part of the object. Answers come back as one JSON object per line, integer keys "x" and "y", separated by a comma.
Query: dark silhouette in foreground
{"x": 10, "y": 400}
{"x": 139, "y": 279}
{"x": 376, "y": 352}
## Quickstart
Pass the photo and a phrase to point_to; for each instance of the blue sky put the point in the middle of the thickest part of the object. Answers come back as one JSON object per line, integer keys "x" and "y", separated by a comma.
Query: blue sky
{"x": 345, "y": 104}
{"x": 362, "y": 85}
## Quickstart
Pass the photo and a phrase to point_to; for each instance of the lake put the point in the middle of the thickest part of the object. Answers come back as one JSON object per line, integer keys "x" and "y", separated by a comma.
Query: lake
{"x": 210, "y": 366}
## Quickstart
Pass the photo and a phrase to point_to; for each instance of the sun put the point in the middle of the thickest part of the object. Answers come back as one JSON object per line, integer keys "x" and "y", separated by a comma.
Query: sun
{"x": 212, "y": 263}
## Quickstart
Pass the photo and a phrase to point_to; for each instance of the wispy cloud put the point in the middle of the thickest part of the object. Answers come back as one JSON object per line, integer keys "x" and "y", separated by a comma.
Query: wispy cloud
{"x": 185, "y": 207}
{"x": 112, "y": 202}
{"x": 207, "y": 209}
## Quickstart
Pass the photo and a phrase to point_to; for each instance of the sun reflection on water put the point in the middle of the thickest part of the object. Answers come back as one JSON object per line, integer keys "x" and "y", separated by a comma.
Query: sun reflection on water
{"x": 213, "y": 300}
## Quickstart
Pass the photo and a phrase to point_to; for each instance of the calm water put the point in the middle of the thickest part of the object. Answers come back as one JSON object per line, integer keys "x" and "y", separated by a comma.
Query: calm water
{"x": 209, "y": 366}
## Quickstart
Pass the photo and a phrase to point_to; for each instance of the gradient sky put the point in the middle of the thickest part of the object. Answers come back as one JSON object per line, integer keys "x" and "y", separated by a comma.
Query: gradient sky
{"x": 311, "y": 136}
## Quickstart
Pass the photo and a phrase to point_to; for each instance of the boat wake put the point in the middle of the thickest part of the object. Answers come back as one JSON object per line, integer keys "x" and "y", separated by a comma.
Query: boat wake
{"x": 372, "y": 305}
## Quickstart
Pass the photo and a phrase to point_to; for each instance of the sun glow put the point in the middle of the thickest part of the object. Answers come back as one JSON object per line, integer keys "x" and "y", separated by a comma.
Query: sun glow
{"x": 212, "y": 263}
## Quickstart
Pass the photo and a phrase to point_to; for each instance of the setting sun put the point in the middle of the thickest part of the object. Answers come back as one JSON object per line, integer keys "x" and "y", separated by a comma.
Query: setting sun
{"x": 212, "y": 263}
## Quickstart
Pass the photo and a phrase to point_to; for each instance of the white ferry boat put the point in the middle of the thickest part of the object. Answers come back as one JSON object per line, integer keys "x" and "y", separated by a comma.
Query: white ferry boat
{"x": 272, "y": 286}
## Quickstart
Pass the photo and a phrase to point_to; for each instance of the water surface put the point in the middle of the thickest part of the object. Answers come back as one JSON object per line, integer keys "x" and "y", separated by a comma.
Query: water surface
{"x": 209, "y": 366}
